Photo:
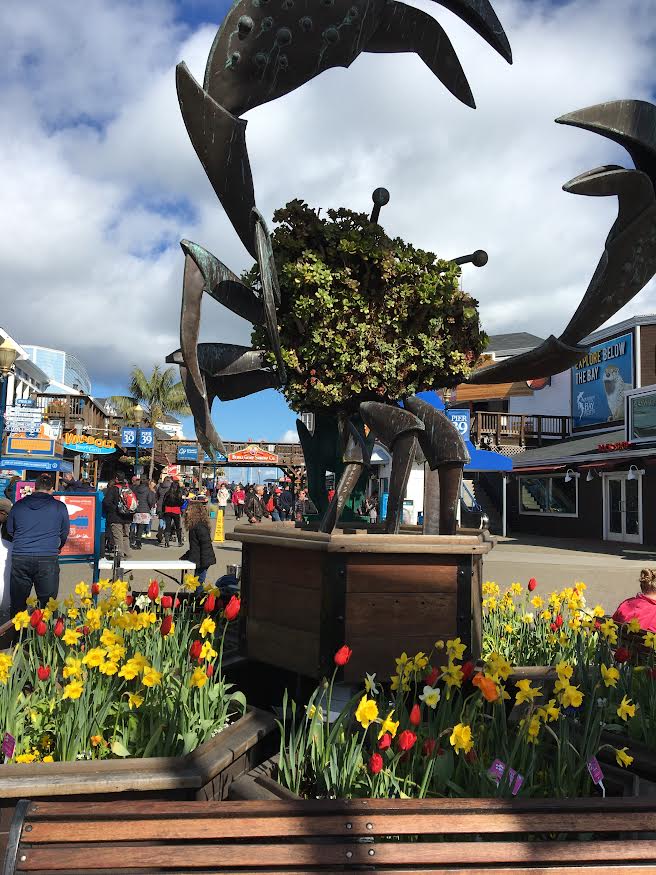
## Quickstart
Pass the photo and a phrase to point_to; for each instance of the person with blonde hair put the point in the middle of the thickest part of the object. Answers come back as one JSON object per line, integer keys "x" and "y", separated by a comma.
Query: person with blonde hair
{"x": 641, "y": 607}
{"x": 201, "y": 551}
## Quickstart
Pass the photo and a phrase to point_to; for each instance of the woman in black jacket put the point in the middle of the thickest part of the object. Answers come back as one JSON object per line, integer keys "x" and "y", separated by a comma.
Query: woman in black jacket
{"x": 201, "y": 551}
{"x": 173, "y": 501}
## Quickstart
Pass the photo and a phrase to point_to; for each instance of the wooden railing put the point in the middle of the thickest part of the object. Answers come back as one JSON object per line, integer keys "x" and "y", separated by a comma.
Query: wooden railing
{"x": 520, "y": 429}
{"x": 77, "y": 410}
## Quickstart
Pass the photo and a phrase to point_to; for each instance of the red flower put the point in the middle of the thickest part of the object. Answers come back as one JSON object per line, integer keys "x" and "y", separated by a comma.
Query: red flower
{"x": 622, "y": 655}
{"x": 86, "y": 630}
{"x": 59, "y": 628}
{"x": 553, "y": 627}
{"x": 153, "y": 590}
{"x": 343, "y": 655}
{"x": 41, "y": 628}
{"x": 43, "y": 672}
{"x": 597, "y": 625}
{"x": 431, "y": 679}
{"x": 415, "y": 715}
{"x": 165, "y": 628}
{"x": 195, "y": 649}
{"x": 559, "y": 621}
{"x": 428, "y": 747}
{"x": 375, "y": 763}
{"x": 177, "y": 602}
{"x": 210, "y": 604}
{"x": 471, "y": 756}
{"x": 35, "y": 618}
{"x": 95, "y": 589}
{"x": 467, "y": 669}
{"x": 166, "y": 601}
{"x": 406, "y": 740}
{"x": 209, "y": 671}
{"x": 129, "y": 600}
{"x": 232, "y": 609}
{"x": 385, "y": 742}
{"x": 532, "y": 584}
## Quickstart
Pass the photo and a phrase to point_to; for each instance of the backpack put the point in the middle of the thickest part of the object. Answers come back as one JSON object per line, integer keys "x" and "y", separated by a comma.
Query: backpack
{"x": 127, "y": 500}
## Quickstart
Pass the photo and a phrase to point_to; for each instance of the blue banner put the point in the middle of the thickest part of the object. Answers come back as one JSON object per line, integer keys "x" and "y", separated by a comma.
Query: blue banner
{"x": 461, "y": 420}
{"x": 187, "y": 453}
{"x": 129, "y": 437}
{"x": 600, "y": 381}
{"x": 146, "y": 437}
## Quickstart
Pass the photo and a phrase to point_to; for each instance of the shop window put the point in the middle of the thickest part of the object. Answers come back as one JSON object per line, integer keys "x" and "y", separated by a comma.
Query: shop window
{"x": 549, "y": 495}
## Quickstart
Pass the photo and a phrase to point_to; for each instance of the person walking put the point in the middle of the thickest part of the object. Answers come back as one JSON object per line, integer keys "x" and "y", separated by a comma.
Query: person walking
{"x": 222, "y": 497}
{"x": 38, "y": 527}
{"x": 238, "y": 501}
{"x": 119, "y": 506}
{"x": 173, "y": 502}
{"x": 256, "y": 505}
{"x": 201, "y": 551}
{"x": 146, "y": 500}
{"x": 70, "y": 484}
{"x": 5, "y": 561}
{"x": 161, "y": 493}
{"x": 285, "y": 504}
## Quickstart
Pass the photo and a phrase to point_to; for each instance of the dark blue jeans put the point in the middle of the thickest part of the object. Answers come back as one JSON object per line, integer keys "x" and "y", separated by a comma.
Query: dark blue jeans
{"x": 42, "y": 572}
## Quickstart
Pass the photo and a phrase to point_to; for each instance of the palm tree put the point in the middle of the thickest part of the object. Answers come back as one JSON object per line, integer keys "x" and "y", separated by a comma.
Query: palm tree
{"x": 154, "y": 398}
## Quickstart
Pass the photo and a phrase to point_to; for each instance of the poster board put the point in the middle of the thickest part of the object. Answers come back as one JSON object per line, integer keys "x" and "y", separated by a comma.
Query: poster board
{"x": 84, "y": 540}
{"x": 600, "y": 381}
{"x": 24, "y": 488}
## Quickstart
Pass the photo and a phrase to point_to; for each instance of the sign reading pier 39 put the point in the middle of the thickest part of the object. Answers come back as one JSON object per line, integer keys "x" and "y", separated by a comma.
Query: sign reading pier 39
{"x": 600, "y": 381}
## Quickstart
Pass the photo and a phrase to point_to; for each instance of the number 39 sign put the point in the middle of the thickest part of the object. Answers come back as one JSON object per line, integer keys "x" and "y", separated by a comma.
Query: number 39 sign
{"x": 461, "y": 420}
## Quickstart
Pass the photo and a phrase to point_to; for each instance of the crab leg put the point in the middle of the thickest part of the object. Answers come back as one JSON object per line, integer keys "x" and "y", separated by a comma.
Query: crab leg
{"x": 357, "y": 456}
{"x": 551, "y": 357}
{"x": 482, "y": 18}
{"x": 207, "y": 435}
{"x": 270, "y": 287}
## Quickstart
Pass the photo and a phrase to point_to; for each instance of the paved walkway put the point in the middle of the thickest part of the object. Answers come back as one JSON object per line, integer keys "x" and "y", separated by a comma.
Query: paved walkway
{"x": 610, "y": 571}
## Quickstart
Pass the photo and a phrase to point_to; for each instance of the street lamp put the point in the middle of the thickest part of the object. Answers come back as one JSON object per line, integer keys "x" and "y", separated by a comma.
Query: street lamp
{"x": 138, "y": 416}
{"x": 8, "y": 356}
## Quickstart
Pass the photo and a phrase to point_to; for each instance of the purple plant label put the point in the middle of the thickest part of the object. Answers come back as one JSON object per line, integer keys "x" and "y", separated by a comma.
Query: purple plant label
{"x": 517, "y": 786}
{"x": 595, "y": 770}
{"x": 496, "y": 770}
{"x": 8, "y": 745}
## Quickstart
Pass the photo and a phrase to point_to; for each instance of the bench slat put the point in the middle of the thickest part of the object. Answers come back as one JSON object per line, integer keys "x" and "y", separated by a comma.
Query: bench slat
{"x": 203, "y": 828}
{"x": 62, "y": 858}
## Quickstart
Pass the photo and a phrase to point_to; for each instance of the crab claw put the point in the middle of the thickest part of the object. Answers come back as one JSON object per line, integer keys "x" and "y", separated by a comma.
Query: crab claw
{"x": 270, "y": 287}
{"x": 207, "y": 435}
{"x": 482, "y": 18}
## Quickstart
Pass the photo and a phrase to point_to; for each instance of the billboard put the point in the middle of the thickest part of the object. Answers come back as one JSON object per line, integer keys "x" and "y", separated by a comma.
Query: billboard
{"x": 600, "y": 381}
{"x": 187, "y": 452}
{"x": 641, "y": 415}
{"x": 82, "y": 513}
{"x": 253, "y": 455}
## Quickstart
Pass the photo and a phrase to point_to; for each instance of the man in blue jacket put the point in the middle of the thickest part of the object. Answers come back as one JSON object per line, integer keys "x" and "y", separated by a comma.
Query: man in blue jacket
{"x": 38, "y": 526}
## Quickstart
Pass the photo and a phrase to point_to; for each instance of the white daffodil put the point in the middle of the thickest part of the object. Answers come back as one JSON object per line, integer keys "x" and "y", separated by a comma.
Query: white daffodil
{"x": 430, "y": 696}
{"x": 370, "y": 684}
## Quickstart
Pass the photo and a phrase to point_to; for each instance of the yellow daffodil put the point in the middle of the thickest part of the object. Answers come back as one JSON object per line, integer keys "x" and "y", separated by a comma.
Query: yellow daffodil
{"x": 461, "y": 738}
{"x": 48, "y": 759}
{"x": 401, "y": 662}
{"x": 550, "y": 712}
{"x": 191, "y": 584}
{"x": 73, "y": 690}
{"x": 650, "y": 639}
{"x": 370, "y": 684}
{"x": 312, "y": 710}
{"x": 93, "y": 619}
{"x": 490, "y": 589}
{"x": 151, "y": 677}
{"x": 129, "y": 671}
{"x": 610, "y": 675}
{"x": 439, "y": 644}
{"x": 622, "y": 757}
{"x": 452, "y": 675}
{"x": 598, "y": 611}
{"x": 537, "y": 601}
{"x": 207, "y": 627}
{"x": 120, "y": 590}
{"x": 609, "y": 630}
{"x": 115, "y": 652}
{"x": 546, "y": 616}
{"x": 564, "y": 671}
{"x": 72, "y": 668}
{"x": 31, "y": 601}
{"x": 420, "y": 661}
{"x": 533, "y": 729}
{"x": 626, "y": 709}
{"x": 52, "y": 605}
{"x": 135, "y": 701}
{"x": 527, "y": 619}
{"x": 71, "y": 637}
{"x": 526, "y": 692}
{"x": 634, "y": 625}
{"x": 94, "y": 657}
{"x": 367, "y": 712}
{"x": 21, "y": 620}
{"x": 571, "y": 697}
{"x": 207, "y": 651}
{"x": 6, "y": 661}
{"x": 389, "y": 725}
{"x": 108, "y": 668}
{"x": 430, "y": 696}
{"x": 198, "y": 678}
{"x": 516, "y": 589}
{"x": 455, "y": 648}
{"x": 26, "y": 758}
{"x": 108, "y": 638}
{"x": 82, "y": 590}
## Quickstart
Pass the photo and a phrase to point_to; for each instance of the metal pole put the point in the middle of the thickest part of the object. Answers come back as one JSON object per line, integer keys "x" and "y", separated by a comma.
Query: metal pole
{"x": 3, "y": 405}
{"x": 504, "y": 527}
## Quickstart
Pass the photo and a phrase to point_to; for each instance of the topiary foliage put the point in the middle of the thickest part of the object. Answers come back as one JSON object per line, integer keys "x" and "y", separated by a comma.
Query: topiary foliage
{"x": 363, "y": 316}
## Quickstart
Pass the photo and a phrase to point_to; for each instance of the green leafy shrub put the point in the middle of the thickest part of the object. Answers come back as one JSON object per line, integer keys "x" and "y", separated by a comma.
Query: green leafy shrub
{"x": 363, "y": 316}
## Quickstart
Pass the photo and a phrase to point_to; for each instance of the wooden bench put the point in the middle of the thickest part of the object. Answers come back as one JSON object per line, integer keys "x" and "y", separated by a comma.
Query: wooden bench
{"x": 591, "y": 836}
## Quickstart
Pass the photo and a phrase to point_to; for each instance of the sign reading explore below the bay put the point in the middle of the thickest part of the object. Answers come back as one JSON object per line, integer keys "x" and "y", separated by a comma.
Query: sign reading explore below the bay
{"x": 253, "y": 455}
{"x": 600, "y": 381}
{"x": 84, "y": 443}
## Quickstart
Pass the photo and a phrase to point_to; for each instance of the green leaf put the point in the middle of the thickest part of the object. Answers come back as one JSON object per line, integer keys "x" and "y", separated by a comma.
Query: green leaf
{"x": 119, "y": 749}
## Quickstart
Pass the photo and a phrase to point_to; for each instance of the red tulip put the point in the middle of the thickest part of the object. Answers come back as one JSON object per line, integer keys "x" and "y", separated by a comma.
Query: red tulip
{"x": 35, "y": 618}
{"x": 129, "y": 600}
{"x": 428, "y": 747}
{"x": 209, "y": 671}
{"x": 232, "y": 609}
{"x": 406, "y": 740}
{"x": 532, "y": 584}
{"x": 622, "y": 655}
{"x": 177, "y": 602}
{"x": 467, "y": 669}
{"x": 165, "y": 628}
{"x": 343, "y": 655}
{"x": 375, "y": 763}
{"x": 153, "y": 590}
{"x": 471, "y": 756}
{"x": 553, "y": 627}
{"x": 58, "y": 631}
{"x": 415, "y": 715}
{"x": 195, "y": 649}
{"x": 385, "y": 742}
{"x": 86, "y": 630}
{"x": 559, "y": 621}
{"x": 431, "y": 679}
{"x": 43, "y": 672}
{"x": 166, "y": 601}
{"x": 41, "y": 628}
{"x": 210, "y": 604}
{"x": 95, "y": 589}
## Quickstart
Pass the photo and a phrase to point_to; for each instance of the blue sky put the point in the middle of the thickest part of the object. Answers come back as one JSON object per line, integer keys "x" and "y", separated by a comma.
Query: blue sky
{"x": 100, "y": 181}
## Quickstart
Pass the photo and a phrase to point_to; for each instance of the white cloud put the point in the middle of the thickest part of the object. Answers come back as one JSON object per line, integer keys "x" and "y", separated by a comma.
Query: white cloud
{"x": 92, "y": 212}
{"x": 289, "y": 437}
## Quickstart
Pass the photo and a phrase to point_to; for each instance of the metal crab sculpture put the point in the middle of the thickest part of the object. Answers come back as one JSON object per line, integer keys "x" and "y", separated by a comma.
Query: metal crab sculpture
{"x": 266, "y": 48}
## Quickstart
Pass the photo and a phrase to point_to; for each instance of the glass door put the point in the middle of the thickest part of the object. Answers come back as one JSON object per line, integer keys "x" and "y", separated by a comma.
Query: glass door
{"x": 623, "y": 508}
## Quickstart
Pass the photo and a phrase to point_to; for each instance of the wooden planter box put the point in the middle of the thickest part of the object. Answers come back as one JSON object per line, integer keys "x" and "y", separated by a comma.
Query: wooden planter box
{"x": 204, "y": 774}
{"x": 644, "y": 759}
{"x": 305, "y": 594}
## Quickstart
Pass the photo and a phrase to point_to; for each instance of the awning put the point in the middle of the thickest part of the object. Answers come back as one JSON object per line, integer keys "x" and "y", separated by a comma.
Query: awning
{"x": 487, "y": 460}
{"x": 35, "y": 464}
{"x": 539, "y": 469}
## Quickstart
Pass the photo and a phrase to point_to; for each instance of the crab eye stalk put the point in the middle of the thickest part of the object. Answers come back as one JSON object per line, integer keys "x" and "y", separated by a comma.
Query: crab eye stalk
{"x": 380, "y": 197}
{"x": 478, "y": 258}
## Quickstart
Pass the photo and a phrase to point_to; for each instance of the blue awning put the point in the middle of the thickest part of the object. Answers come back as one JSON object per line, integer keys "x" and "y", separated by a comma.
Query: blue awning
{"x": 11, "y": 463}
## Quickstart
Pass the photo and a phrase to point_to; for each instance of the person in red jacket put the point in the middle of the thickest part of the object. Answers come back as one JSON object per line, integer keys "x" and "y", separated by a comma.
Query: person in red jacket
{"x": 238, "y": 501}
{"x": 641, "y": 607}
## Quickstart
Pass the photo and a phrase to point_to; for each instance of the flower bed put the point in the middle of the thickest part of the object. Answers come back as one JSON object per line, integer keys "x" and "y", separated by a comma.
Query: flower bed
{"x": 121, "y": 677}
{"x": 449, "y": 728}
